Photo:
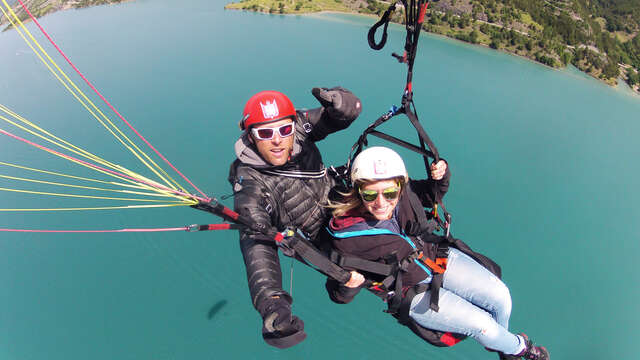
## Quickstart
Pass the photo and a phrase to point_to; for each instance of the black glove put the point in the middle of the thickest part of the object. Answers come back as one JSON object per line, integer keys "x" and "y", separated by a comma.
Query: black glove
{"x": 339, "y": 102}
{"x": 280, "y": 328}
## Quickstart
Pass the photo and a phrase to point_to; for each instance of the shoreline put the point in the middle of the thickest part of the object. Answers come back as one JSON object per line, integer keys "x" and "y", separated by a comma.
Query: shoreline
{"x": 65, "y": 6}
{"x": 633, "y": 89}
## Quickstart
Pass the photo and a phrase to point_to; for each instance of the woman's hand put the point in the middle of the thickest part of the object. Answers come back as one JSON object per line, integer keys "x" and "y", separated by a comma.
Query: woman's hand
{"x": 356, "y": 280}
{"x": 438, "y": 170}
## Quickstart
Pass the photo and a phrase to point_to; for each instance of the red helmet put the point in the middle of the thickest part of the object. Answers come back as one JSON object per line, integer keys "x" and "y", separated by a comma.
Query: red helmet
{"x": 266, "y": 106}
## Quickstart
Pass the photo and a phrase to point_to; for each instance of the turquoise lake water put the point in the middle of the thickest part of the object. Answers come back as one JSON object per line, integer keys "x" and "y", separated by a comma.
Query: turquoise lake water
{"x": 544, "y": 162}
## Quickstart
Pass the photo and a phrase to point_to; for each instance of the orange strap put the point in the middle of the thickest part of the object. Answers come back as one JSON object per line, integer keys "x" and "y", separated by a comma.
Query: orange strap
{"x": 435, "y": 265}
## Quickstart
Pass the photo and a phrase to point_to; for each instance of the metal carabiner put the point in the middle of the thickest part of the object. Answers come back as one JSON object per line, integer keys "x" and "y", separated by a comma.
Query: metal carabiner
{"x": 192, "y": 228}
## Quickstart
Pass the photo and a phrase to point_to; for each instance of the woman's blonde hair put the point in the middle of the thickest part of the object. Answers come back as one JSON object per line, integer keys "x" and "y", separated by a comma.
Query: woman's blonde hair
{"x": 351, "y": 199}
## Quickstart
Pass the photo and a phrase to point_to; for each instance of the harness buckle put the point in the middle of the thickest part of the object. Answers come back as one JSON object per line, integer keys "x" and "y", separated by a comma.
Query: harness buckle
{"x": 376, "y": 286}
{"x": 391, "y": 113}
{"x": 285, "y": 245}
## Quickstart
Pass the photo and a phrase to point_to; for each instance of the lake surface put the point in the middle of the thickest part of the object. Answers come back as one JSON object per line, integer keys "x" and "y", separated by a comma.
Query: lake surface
{"x": 544, "y": 162}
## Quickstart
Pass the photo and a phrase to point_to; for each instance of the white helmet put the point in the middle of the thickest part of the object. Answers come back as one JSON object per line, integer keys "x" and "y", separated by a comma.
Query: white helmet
{"x": 378, "y": 163}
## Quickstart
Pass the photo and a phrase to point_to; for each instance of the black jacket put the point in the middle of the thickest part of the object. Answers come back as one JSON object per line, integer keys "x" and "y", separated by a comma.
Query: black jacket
{"x": 412, "y": 222}
{"x": 291, "y": 195}
{"x": 379, "y": 248}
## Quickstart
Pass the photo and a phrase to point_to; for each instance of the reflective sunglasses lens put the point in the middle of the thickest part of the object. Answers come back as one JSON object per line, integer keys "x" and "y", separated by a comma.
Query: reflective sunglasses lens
{"x": 285, "y": 130}
{"x": 368, "y": 195}
{"x": 388, "y": 193}
{"x": 391, "y": 193}
{"x": 264, "y": 133}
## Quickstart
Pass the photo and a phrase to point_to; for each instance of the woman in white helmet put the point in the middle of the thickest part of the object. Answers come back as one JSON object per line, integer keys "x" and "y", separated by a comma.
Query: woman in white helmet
{"x": 435, "y": 285}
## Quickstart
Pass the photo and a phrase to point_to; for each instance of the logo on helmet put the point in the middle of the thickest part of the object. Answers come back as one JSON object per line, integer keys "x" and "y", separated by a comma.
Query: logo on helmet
{"x": 379, "y": 167}
{"x": 270, "y": 109}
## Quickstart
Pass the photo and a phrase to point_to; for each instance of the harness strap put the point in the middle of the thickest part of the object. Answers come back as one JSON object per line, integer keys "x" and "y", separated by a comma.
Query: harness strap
{"x": 394, "y": 301}
{"x": 404, "y": 144}
{"x": 422, "y": 134}
{"x": 423, "y": 223}
{"x": 316, "y": 259}
{"x": 303, "y": 248}
{"x": 361, "y": 264}
{"x": 402, "y": 313}
{"x": 436, "y": 284}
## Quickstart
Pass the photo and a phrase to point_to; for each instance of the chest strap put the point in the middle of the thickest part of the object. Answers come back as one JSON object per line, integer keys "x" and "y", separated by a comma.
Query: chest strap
{"x": 357, "y": 263}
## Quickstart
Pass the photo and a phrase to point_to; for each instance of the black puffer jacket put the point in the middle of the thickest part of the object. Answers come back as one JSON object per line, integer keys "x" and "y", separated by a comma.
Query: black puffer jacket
{"x": 290, "y": 195}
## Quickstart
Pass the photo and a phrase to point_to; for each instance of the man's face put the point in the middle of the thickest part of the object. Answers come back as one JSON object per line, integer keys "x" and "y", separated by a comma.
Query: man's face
{"x": 278, "y": 148}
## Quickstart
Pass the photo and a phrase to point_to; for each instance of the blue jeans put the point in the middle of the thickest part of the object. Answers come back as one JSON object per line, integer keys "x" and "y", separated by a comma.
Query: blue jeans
{"x": 473, "y": 302}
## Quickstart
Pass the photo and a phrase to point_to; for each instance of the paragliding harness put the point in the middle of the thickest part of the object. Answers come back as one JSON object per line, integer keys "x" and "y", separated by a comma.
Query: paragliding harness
{"x": 399, "y": 298}
{"x": 430, "y": 253}
{"x": 390, "y": 289}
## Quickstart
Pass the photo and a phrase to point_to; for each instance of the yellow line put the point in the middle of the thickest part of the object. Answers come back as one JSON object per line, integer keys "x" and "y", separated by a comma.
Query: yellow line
{"x": 78, "y": 196}
{"x": 82, "y": 187}
{"x": 136, "y": 186}
{"x": 92, "y": 157}
{"x": 106, "y": 172}
{"x": 80, "y": 151}
{"x": 99, "y": 208}
{"x": 21, "y": 25}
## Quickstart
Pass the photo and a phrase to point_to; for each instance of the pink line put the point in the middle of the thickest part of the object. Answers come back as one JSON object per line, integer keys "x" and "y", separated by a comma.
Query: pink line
{"x": 95, "y": 231}
{"x": 105, "y": 100}
{"x": 98, "y": 167}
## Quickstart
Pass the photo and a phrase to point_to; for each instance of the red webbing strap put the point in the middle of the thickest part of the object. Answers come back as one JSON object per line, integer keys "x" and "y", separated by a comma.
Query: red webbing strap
{"x": 449, "y": 339}
{"x": 423, "y": 11}
{"x": 218, "y": 227}
{"x": 230, "y": 213}
{"x": 207, "y": 227}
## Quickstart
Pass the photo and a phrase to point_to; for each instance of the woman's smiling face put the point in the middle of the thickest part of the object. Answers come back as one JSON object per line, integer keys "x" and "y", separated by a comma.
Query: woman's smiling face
{"x": 381, "y": 207}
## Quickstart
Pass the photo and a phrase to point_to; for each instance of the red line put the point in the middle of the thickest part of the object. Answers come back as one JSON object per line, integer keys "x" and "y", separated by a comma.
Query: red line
{"x": 105, "y": 100}
{"x": 96, "y": 166}
{"x": 94, "y": 231}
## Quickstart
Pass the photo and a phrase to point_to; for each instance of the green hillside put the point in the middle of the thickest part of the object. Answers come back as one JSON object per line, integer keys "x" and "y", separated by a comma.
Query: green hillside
{"x": 40, "y": 8}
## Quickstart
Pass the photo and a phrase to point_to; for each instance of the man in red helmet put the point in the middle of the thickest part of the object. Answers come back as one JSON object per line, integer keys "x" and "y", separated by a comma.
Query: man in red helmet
{"x": 279, "y": 180}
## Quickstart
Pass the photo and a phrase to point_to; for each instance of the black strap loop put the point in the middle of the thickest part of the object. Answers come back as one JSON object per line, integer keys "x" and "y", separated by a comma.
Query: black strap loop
{"x": 371, "y": 36}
